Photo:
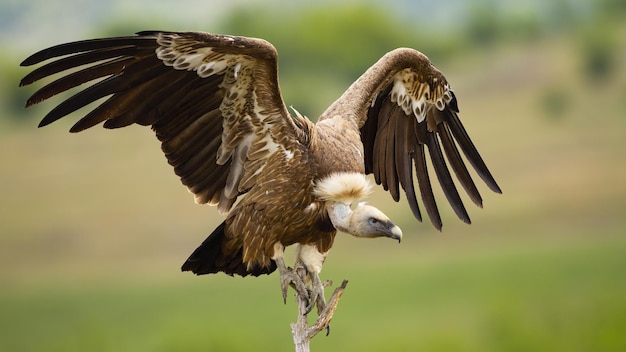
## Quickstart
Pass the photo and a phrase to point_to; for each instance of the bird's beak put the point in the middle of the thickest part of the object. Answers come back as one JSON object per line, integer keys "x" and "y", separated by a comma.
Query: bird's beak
{"x": 393, "y": 231}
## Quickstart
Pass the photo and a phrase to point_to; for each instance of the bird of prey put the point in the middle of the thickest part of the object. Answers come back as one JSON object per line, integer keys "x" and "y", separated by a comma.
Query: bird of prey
{"x": 214, "y": 103}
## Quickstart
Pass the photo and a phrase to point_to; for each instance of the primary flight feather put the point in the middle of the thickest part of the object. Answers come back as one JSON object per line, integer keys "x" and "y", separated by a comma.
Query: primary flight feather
{"x": 215, "y": 105}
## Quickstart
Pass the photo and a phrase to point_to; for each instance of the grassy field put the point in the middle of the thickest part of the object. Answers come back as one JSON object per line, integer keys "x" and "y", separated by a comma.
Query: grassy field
{"x": 550, "y": 300}
{"x": 94, "y": 226}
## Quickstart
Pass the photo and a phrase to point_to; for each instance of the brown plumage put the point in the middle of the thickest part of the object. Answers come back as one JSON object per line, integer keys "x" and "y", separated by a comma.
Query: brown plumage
{"x": 215, "y": 105}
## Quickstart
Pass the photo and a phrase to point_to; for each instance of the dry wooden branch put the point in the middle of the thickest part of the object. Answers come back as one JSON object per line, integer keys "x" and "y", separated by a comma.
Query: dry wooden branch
{"x": 302, "y": 332}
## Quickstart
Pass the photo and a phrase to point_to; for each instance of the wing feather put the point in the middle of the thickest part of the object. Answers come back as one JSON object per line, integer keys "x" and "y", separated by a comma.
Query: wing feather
{"x": 426, "y": 190}
{"x": 444, "y": 177}
{"x": 402, "y": 156}
{"x": 390, "y": 157}
{"x": 377, "y": 152}
{"x": 75, "y": 79}
{"x": 457, "y": 164}
{"x": 466, "y": 144}
{"x": 85, "y": 46}
{"x": 127, "y": 104}
{"x": 77, "y": 60}
{"x": 209, "y": 98}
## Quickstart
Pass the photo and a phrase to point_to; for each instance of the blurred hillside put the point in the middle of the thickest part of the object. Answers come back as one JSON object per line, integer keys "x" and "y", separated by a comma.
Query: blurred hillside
{"x": 94, "y": 226}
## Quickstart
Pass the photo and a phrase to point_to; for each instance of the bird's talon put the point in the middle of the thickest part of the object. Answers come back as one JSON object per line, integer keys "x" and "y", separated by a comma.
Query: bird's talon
{"x": 289, "y": 277}
{"x": 310, "y": 306}
{"x": 317, "y": 294}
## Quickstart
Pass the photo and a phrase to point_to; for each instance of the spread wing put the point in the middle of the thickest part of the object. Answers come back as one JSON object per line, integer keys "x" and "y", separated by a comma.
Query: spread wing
{"x": 406, "y": 110}
{"x": 213, "y": 101}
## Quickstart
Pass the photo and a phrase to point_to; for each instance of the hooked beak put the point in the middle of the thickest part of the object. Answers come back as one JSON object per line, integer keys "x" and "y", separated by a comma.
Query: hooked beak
{"x": 393, "y": 231}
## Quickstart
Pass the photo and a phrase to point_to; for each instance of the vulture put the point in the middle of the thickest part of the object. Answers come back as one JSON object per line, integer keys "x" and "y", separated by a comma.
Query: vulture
{"x": 214, "y": 103}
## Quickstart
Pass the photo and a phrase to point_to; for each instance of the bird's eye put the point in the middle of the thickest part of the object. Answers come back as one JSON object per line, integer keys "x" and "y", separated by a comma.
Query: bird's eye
{"x": 373, "y": 221}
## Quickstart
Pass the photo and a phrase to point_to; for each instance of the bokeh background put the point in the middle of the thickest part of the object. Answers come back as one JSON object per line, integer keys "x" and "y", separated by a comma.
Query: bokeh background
{"x": 94, "y": 226}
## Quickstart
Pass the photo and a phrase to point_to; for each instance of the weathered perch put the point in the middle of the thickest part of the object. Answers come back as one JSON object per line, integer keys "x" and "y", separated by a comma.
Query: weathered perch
{"x": 302, "y": 332}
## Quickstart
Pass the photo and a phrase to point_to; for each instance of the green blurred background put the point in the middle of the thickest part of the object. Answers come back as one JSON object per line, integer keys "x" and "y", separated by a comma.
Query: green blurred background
{"x": 94, "y": 226}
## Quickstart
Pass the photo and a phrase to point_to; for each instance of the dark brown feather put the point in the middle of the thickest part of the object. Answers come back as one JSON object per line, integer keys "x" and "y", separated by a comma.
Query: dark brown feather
{"x": 470, "y": 151}
{"x": 77, "y": 78}
{"x": 423, "y": 181}
{"x": 403, "y": 150}
{"x": 378, "y": 151}
{"x": 76, "y": 61}
{"x": 457, "y": 165}
{"x": 443, "y": 175}
{"x": 115, "y": 83}
{"x": 211, "y": 257}
{"x": 368, "y": 137}
{"x": 390, "y": 156}
{"x": 88, "y": 45}
{"x": 153, "y": 91}
{"x": 404, "y": 164}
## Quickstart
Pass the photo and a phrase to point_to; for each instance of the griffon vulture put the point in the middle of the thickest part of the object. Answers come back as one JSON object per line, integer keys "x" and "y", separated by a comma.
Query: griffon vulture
{"x": 214, "y": 103}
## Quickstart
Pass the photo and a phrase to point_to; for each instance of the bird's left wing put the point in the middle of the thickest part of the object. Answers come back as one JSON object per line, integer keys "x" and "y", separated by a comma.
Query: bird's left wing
{"x": 406, "y": 111}
{"x": 213, "y": 101}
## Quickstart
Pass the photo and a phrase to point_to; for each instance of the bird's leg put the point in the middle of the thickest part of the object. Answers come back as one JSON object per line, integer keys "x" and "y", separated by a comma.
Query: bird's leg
{"x": 317, "y": 293}
{"x": 288, "y": 276}
{"x": 312, "y": 260}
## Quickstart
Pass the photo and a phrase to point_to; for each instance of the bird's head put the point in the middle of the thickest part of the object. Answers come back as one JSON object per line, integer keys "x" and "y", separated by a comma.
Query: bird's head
{"x": 368, "y": 221}
{"x": 339, "y": 192}
{"x": 364, "y": 221}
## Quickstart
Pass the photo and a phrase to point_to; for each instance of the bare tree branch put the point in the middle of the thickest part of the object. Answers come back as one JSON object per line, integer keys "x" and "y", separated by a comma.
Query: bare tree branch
{"x": 301, "y": 331}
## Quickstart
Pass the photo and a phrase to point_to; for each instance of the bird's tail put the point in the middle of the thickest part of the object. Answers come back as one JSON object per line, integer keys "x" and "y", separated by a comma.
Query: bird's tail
{"x": 212, "y": 257}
